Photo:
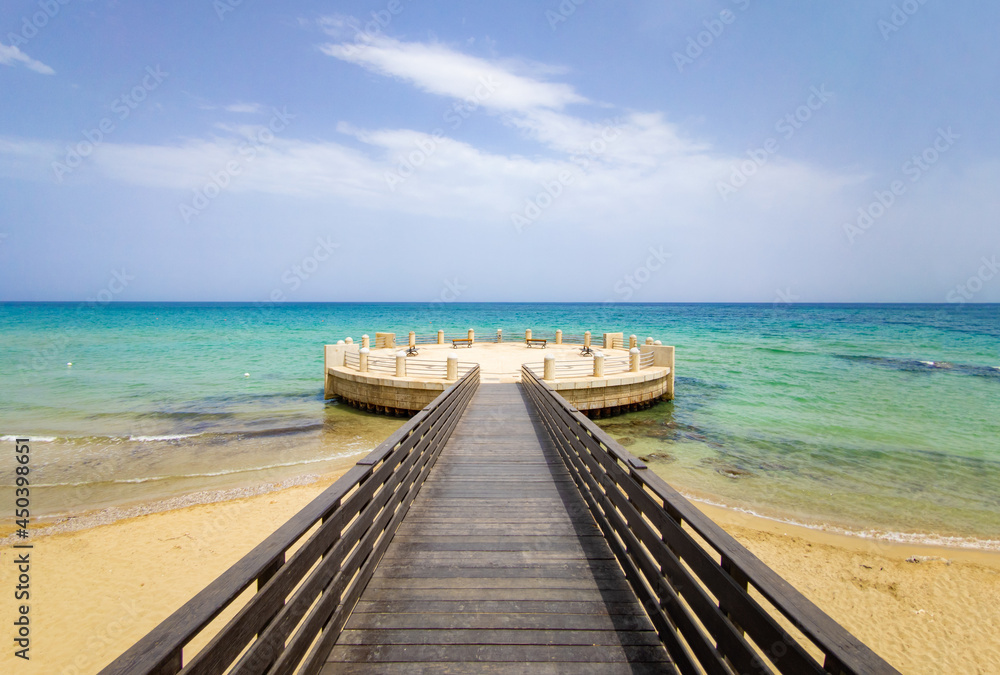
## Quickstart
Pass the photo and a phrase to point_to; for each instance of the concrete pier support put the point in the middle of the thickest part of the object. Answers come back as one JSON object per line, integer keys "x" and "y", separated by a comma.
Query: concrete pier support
{"x": 549, "y": 372}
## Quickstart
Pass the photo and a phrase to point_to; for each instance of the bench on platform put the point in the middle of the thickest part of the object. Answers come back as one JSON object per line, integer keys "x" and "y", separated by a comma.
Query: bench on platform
{"x": 457, "y": 341}
{"x": 532, "y": 342}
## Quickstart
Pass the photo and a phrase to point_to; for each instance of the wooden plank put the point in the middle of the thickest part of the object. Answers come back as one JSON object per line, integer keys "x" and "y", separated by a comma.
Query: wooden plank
{"x": 497, "y": 607}
{"x": 496, "y": 668}
{"x": 503, "y": 653}
{"x": 500, "y": 637}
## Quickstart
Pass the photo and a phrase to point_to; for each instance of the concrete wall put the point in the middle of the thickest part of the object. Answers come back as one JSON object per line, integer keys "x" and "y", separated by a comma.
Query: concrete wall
{"x": 663, "y": 355}
{"x": 382, "y": 392}
{"x": 627, "y": 390}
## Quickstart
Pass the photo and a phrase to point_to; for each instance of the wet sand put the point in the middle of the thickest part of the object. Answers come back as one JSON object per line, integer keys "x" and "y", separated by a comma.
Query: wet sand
{"x": 96, "y": 591}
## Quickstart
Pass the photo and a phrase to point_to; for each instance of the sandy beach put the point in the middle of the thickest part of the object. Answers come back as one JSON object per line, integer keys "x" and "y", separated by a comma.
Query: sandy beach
{"x": 98, "y": 590}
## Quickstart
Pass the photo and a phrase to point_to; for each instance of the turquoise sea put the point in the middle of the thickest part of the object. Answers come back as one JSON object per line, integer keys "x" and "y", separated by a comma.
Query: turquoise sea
{"x": 882, "y": 420}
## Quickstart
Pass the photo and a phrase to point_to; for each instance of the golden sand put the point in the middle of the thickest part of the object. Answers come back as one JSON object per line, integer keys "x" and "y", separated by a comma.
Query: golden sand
{"x": 97, "y": 591}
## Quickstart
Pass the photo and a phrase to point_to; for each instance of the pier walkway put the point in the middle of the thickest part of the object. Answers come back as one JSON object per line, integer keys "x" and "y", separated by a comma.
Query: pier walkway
{"x": 499, "y": 531}
{"x": 499, "y": 560}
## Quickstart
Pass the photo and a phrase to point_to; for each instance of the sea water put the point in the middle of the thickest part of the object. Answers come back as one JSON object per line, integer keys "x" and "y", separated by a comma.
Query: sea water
{"x": 881, "y": 420}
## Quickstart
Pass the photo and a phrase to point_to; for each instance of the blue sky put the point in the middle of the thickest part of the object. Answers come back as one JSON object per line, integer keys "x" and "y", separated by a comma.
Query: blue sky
{"x": 710, "y": 150}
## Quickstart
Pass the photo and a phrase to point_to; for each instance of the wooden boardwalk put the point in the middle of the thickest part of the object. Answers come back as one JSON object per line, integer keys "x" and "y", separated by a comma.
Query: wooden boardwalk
{"x": 499, "y": 566}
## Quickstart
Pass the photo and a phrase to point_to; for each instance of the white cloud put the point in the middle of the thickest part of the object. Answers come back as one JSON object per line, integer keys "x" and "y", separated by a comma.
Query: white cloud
{"x": 11, "y": 55}
{"x": 436, "y": 69}
{"x": 244, "y": 108}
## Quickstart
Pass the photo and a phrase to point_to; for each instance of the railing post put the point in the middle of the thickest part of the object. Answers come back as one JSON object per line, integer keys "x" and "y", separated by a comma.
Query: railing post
{"x": 363, "y": 360}
{"x": 499, "y": 335}
{"x": 365, "y": 341}
{"x": 558, "y": 336}
{"x": 649, "y": 341}
{"x": 527, "y": 334}
{"x": 598, "y": 364}
{"x": 586, "y": 340}
{"x": 633, "y": 341}
{"x": 412, "y": 340}
{"x": 401, "y": 363}
{"x": 452, "y": 373}
{"x": 549, "y": 371}
{"x": 633, "y": 359}
{"x": 472, "y": 336}
{"x": 440, "y": 337}
{"x": 349, "y": 340}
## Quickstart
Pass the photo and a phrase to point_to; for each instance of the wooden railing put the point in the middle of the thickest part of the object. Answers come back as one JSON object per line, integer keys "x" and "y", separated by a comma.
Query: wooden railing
{"x": 301, "y": 604}
{"x": 698, "y": 595}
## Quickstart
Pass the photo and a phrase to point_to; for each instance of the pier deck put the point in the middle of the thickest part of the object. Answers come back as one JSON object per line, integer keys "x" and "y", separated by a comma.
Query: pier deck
{"x": 499, "y": 560}
{"x": 499, "y": 530}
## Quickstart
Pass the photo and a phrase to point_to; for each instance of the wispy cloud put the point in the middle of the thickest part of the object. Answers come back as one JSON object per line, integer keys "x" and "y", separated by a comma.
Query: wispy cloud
{"x": 438, "y": 69}
{"x": 244, "y": 108}
{"x": 10, "y": 55}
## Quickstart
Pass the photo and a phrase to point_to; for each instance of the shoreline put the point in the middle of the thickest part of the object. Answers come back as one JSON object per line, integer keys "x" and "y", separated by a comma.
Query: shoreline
{"x": 910, "y": 603}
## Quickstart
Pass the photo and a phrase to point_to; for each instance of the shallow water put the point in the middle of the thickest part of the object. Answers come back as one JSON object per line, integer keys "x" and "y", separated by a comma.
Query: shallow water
{"x": 871, "y": 418}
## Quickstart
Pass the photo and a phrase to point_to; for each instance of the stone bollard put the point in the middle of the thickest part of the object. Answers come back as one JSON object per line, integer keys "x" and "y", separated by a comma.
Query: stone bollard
{"x": 633, "y": 342}
{"x": 413, "y": 339}
{"x": 657, "y": 342}
{"x": 586, "y": 340}
{"x": 440, "y": 337}
{"x": 349, "y": 341}
{"x": 598, "y": 364}
{"x": 472, "y": 336}
{"x": 649, "y": 341}
{"x": 499, "y": 335}
{"x": 400, "y": 363}
{"x": 341, "y": 342}
{"x": 558, "y": 336}
{"x": 527, "y": 334}
{"x": 633, "y": 359}
{"x": 363, "y": 360}
{"x": 365, "y": 342}
{"x": 549, "y": 372}
{"x": 452, "y": 373}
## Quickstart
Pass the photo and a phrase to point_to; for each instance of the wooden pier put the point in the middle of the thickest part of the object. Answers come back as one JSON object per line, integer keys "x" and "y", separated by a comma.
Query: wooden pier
{"x": 499, "y": 560}
{"x": 499, "y": 530}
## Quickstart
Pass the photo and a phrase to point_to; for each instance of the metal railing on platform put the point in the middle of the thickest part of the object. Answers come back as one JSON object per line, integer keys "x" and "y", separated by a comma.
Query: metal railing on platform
{"x": 301, "y": 604}
{"x": 698, "y": 595}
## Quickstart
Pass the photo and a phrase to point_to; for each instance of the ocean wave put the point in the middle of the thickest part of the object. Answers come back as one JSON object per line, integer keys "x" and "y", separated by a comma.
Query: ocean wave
{"x": 921, "y": 365}
{"x": 875, "y": 534}
{"x": 168, "y": 437}
{"x": 209, "y": 474}
{"x": 33, "y": 439}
